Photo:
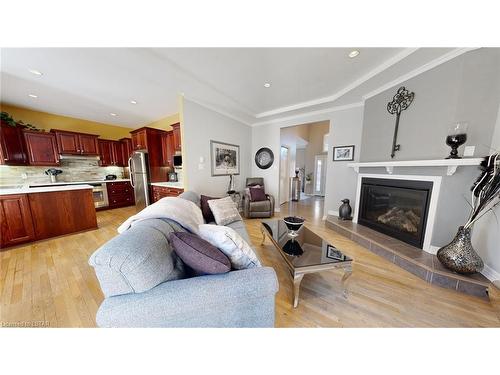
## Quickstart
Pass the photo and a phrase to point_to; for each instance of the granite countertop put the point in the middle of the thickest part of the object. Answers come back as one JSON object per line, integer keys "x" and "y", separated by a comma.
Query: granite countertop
{"x": 26, "y": 189}
{"x": 177, "y": 185}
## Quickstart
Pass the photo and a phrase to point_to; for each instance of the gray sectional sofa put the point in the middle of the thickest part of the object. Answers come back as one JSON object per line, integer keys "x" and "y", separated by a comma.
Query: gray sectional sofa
{"x": 145, "y": 284}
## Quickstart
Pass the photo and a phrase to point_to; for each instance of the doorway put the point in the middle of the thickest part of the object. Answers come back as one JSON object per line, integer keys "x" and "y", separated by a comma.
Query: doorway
{"x": 284, "y": 175}
{"x": 319, "y": 175}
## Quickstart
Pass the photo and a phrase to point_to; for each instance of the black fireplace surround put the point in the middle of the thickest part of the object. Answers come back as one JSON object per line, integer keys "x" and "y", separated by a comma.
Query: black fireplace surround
{"x": 397, "y": 208}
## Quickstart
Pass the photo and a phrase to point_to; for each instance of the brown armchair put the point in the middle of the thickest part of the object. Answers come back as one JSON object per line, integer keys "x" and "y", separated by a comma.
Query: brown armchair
{"x": 257, "y": 209}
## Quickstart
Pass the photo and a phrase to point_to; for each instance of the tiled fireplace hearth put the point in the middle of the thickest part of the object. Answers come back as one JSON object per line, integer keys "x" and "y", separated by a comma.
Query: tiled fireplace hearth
{"x": 420, "y": 263}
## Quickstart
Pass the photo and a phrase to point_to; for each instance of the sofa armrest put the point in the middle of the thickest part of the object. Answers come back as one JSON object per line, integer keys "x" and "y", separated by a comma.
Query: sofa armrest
{"x": 242, "y": 298}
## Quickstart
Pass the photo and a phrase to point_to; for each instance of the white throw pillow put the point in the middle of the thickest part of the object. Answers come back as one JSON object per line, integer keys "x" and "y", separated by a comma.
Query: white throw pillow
{"x": 224, "y": 210}
{"x": 231, "y": 244}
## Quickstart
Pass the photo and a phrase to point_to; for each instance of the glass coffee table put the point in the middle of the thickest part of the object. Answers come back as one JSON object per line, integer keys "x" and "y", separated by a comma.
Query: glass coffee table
{"x": 306, "y": 253}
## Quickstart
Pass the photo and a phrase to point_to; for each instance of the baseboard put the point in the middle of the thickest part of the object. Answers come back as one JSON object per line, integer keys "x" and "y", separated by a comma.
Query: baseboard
{"x": 433, "y": 249}
{"x": 333, "y": 213}
{"x": 490, "y": 273}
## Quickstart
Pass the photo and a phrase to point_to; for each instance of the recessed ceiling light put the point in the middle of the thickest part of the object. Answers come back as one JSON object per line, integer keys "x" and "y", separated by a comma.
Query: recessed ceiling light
{"x": 133, "y": 102}
{"x": 267, "y": 85}
{"x": 33, "y": 96}
{"x": 35, "y": 72}
{"x": 113, "y": 114}
{"x": 353, "y": 53}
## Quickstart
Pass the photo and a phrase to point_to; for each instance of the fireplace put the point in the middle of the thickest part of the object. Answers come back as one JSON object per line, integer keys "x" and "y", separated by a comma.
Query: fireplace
{"x": 398, "y": 208}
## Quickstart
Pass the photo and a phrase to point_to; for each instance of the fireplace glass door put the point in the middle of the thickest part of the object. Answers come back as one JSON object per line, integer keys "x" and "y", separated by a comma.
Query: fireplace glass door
{"x": 396, "y": 207}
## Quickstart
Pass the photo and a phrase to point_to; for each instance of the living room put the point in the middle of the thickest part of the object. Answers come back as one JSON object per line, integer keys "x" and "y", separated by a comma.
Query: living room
{"x": 252, "y": 186}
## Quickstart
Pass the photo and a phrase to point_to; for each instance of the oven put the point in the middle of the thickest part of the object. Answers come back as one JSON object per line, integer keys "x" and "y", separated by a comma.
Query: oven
{"x": 100, "y": 194}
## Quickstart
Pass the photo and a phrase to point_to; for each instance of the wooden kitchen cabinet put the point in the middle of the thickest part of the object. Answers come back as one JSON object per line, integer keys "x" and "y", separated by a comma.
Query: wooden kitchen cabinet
{"x": 120, "y": 194}
{"x": 110, "y": 153}
{"x": 74, "y": 143}
{"x": 16, "y": 224}
{"x": 139, "y": 139}
{"x": 12, "y": 146}
{"x": 160, "y": 192}
{"x": 127, "y": 149}
{"x": 176, "y": 131}
{"x": 168, "y": 148}
{"x": 62, "y": 212}
{"x": 150, "y": 139}
{"x": 41, "y": 148}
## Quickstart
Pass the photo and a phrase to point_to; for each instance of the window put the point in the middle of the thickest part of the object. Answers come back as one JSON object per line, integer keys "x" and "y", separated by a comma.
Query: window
{"x": 325, "y": 142}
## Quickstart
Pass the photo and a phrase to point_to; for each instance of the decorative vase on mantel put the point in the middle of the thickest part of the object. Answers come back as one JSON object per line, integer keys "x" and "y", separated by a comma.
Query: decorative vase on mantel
{"x": 459, "y": 255}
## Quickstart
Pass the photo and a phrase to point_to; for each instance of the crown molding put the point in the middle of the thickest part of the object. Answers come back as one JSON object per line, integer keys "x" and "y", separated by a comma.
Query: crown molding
{"x": 217, "y": 110}
{"x": 308, "y": 114}
{"x": 380, "y": 68}
{"x": 428, "y": 66}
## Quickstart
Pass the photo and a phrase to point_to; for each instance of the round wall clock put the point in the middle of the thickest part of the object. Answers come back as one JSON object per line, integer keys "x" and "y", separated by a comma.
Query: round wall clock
{"x": 264, "y": 158}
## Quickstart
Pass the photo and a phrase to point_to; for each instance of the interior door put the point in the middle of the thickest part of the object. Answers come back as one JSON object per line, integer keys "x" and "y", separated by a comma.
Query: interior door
{"x": 319, "y": 175}
{"x": 284, "y": 175}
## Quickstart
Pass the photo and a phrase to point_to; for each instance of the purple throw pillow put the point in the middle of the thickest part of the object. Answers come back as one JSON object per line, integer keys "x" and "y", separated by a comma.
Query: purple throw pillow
{"x": 205, "y": 209}
{"x": 200, "y": 255}
{"x": 257, "y": 194}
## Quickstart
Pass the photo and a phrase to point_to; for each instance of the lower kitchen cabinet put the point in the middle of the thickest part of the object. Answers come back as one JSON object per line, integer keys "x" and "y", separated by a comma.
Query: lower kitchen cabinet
{"x": 62, "y": 212}
{"x": 120, "y": 194}
{"x": 160, "y": 192}
{"x": 37, "y": 216}
{"x": 16, "y": 224}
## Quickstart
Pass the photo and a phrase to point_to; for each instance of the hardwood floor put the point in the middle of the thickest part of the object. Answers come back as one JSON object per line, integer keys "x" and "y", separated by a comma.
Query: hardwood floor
{"x": 51, "y": 284}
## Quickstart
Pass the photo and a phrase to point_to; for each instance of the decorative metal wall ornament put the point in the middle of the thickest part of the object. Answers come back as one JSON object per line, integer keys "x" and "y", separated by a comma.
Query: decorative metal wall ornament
{"x": 400, "y": 102}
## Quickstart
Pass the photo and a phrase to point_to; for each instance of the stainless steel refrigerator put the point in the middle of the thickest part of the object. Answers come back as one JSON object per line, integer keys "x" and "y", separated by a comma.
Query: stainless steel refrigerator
{"x": 139, "y": 178}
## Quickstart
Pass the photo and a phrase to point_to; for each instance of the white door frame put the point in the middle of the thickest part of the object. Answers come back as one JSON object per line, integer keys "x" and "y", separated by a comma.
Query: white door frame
{"x": 284, "y": 187}
{"x": 324, "y": 158}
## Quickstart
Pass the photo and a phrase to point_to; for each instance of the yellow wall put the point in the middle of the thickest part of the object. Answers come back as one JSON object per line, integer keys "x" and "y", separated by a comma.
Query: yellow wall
{"x": 164, "y": 123}
{"x": 49, "y": 121}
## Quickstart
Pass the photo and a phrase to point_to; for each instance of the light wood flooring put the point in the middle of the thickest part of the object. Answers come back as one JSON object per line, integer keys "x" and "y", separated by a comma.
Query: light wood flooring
{"x": 51, "y": 284}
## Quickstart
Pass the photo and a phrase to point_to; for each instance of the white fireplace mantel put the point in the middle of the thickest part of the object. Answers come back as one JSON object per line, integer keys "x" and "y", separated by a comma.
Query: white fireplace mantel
{"x": 451, "y": 164}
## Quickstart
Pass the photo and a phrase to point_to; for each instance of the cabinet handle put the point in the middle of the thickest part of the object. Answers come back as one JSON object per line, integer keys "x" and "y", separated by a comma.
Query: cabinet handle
{"x": 5, "y": 159}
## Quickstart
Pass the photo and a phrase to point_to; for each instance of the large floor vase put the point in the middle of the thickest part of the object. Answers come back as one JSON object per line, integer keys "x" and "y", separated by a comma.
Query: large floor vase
{"x": 459, "y": 255}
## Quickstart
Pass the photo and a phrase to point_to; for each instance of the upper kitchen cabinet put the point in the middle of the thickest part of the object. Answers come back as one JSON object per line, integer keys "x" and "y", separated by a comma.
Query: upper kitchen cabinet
{"x": 139, "y": 139}
{"x": 110, "y": 153}
{"x": 168, "y": 148}
{"x": 150, "y": 139}
{"x": 127, "y": 149}
{"x": 73, "y": 143}
{"x": 41, "y": 148}
{"x": 176, "y": 130}
{"x": 12, "y": 147}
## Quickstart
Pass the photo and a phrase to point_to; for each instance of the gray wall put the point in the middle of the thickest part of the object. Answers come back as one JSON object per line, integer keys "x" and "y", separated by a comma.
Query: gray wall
{"x": 345, "y": 128}
{"x": 463, "y": 89}
{"x": 200, "y": 125}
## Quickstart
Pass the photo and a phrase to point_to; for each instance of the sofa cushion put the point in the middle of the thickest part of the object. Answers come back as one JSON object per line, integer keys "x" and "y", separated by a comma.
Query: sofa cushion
{"x": 232, "y": 244}
{"x": 205, "y": 208}
{"x": 138, "y": 259}
{"x": 257, "y": 194}
{"x": 224, "y": 210}
{"x": 199, "y": 254}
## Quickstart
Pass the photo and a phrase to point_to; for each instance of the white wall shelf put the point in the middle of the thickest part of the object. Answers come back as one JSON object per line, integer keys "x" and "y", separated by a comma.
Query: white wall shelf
{"x": 450, "y": 164}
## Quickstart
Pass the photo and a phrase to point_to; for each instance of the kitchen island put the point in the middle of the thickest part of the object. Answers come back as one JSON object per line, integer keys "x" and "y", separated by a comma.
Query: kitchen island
{"x": 35, "y": 213}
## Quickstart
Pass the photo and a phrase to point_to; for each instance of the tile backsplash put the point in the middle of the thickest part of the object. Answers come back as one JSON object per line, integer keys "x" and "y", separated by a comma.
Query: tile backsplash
{"x": 73, "y": 170}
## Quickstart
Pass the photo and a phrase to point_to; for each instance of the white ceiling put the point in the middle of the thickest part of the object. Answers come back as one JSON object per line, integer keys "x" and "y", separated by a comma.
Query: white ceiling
{"x": 90, "y": 83}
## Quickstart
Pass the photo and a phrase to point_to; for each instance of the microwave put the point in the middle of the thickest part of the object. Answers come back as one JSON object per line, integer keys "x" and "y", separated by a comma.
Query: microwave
{"x": 177, "y": 160}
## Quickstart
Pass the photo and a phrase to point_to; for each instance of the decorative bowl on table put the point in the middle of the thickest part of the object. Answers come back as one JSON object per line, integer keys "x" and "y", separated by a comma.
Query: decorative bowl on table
{"x": 293, "y": 223}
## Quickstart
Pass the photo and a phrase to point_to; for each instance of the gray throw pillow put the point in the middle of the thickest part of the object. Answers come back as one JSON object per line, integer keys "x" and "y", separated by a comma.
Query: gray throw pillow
{"x": 199, "y": 254}
{"x": 224, "y": 211}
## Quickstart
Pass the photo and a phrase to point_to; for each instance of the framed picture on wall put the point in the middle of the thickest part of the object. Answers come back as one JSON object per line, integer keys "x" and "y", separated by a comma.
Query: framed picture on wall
{"x": 343, "y": 153}
{"x": 225, "y": 158}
